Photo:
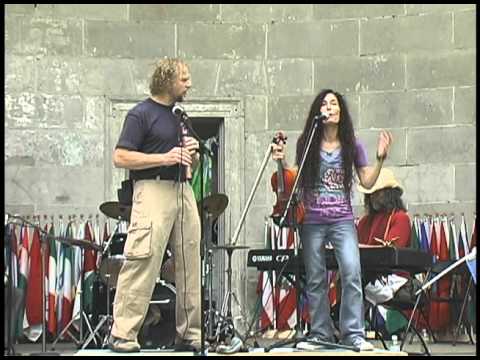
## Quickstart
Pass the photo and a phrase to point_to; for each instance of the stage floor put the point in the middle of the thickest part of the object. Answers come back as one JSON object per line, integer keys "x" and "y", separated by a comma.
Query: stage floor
{"x": 442, "y": 349}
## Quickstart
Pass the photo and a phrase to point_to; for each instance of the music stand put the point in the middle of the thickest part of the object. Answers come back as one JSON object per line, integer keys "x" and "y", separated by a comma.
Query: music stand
{"x": 292, "y": 208}
{"x": 470, "y": 256}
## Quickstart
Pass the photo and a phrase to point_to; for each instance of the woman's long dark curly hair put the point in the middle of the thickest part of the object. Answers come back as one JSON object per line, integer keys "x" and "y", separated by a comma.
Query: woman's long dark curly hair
{"x": 347, "y": 141}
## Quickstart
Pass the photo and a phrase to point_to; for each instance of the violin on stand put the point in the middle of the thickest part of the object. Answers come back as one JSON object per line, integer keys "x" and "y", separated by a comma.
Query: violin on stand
{"x": 282, "y": 185}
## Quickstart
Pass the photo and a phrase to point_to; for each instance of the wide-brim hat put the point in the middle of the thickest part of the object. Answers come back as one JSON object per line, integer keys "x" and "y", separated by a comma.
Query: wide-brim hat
{"x": 385, "y": 179}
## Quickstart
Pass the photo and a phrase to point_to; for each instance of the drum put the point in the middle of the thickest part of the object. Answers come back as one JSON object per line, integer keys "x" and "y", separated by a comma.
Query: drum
{"x": 113, "y": 260}
{"x": 159, "y": 327}
{"x": 112, "y": 264}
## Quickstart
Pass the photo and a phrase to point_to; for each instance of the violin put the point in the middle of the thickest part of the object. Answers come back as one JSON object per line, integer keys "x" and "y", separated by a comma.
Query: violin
{"x": 282, "y": 185}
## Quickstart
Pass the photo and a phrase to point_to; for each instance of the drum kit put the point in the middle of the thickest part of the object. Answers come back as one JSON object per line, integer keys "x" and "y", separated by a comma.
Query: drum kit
{"x": 158, "y": 329}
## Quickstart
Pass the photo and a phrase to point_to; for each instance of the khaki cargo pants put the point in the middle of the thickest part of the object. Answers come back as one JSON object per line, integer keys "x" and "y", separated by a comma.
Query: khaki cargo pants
{"x": 156, "y": 219}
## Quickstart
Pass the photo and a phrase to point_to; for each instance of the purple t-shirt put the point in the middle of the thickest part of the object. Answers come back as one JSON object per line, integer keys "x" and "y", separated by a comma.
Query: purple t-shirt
{"x": 326, "y": 203}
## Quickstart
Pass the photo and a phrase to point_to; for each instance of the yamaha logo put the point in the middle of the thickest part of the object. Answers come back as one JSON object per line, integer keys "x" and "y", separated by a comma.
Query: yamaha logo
{"x": 282, "y": 258}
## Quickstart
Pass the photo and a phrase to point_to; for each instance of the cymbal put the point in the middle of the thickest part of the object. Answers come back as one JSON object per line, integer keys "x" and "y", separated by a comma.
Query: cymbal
{"x": 76, "y": 242}
{"x": 115, "y": 210}
{"x": 230, "y": 247}
{"x": 215, "y": 204}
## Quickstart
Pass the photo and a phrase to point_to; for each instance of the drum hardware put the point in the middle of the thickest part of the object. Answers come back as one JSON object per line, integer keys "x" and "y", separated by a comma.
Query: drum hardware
{"x": 83, "y": 244}
{"x": 116, "y": 210}
{"x": 108, "y": 318}
{"x": 225, "y": 325}
{"x": 215, "y": 205}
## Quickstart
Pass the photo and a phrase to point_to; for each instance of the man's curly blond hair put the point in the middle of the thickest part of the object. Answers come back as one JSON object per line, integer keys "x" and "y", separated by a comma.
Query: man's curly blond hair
{"x": 166, "y": 71}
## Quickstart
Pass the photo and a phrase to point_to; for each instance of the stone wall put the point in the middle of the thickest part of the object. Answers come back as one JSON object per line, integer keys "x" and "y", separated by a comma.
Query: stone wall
{"x": 409, "y": 68}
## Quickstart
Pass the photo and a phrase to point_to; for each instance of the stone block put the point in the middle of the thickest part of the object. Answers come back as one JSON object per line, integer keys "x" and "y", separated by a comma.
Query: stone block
{"x": 414, "y": 9}
{"x": 46, "y": 36}
{"x": 221, "y": 41}
{"x": 265, "y": 13}
{"x": 83, "y": 11}
{"x": 12, "y": 33}
{"x": 175, "y": 12}
{"x": 20, "y": 9}
{"x": 255, "y": 113}
{"x": 426, "y": 183}
{"x": 441, "y": 145}
{"x": 290, "y": 77}
{"x": 311, "y": 40}
{"x": 129, "y": 40}
{"x": 465, "y": 182}
{"x": 205, "y": 77}
{"x": 288, "y": 112}
{"x": 465, "y": 105}
{"x": 360, "y": 74}
{"x": 406, "y": 109}
{"x": 243, "y": 77}
{"x": 465, "y": 34}
{"x": 349, "y": 11}
{"x": 406, "y": 34}
{"x": 440, "y": 70}
{"x": 59, "y": 147}
{"x": 20, "y": 74}
{"x": 49, "y": 185}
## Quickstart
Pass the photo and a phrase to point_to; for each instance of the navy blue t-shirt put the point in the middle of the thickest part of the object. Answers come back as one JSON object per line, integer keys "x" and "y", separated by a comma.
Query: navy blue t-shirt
{"x": 151, "y": 128}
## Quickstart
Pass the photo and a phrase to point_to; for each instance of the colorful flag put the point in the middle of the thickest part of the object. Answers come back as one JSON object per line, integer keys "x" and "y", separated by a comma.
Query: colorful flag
{"x": 68, "y": 292}
{"x": 265, "y": 288}
{"x": 33, "y": 302}
{"x": 23, "y": 277}
{"x": 424, "y": 238}
{"x": 52, "y": 282}
{"x": 89, "y": 270}
{"x": 414, "y": 242}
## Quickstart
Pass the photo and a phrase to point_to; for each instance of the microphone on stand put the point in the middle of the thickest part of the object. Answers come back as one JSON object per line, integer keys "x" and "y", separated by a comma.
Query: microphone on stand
{"x": 321, "y": 117}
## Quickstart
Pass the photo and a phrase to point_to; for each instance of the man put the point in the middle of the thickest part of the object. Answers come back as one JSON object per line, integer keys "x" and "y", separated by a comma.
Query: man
{"x": 159, "y": 156}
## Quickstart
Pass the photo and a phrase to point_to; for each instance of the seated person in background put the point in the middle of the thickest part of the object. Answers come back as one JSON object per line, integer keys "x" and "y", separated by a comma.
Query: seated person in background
{"x": 386, "y": 220}
{"x": 386, "y": 223}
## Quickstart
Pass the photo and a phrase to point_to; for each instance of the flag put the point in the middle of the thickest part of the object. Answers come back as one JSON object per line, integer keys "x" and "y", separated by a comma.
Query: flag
{"x": 89, "y": 270}
{"x": 462, "y": 238}
{"x": 453, "y": 248}
{"x": 68, "y": 292}
{"x": 23, "y": 276}
{"x": 473, "y": 240}
{"x": 414, "y": 243}
{"x": 433, "y": 243}
{"x": 52, "y": 282}
{"x": 79, "y": 233}
{"x": 423, "y": 237}
{"x": 60, "y": 266}
{"x": 265, "y": 289}
{"x": 285, "y": 300}
{"x": 33, "y": 302}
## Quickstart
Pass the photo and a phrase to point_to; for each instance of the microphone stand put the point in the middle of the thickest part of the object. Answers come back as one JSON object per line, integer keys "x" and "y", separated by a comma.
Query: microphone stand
{"x": 293, "y": 200}
{"x": 203, "y": 149}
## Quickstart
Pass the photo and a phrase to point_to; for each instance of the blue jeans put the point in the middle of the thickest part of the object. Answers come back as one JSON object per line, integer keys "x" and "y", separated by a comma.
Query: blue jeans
{"x": 343, "y": 237}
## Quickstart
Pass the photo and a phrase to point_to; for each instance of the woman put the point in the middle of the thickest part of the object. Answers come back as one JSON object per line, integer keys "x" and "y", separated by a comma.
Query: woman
{"x": 325, "y": 189}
